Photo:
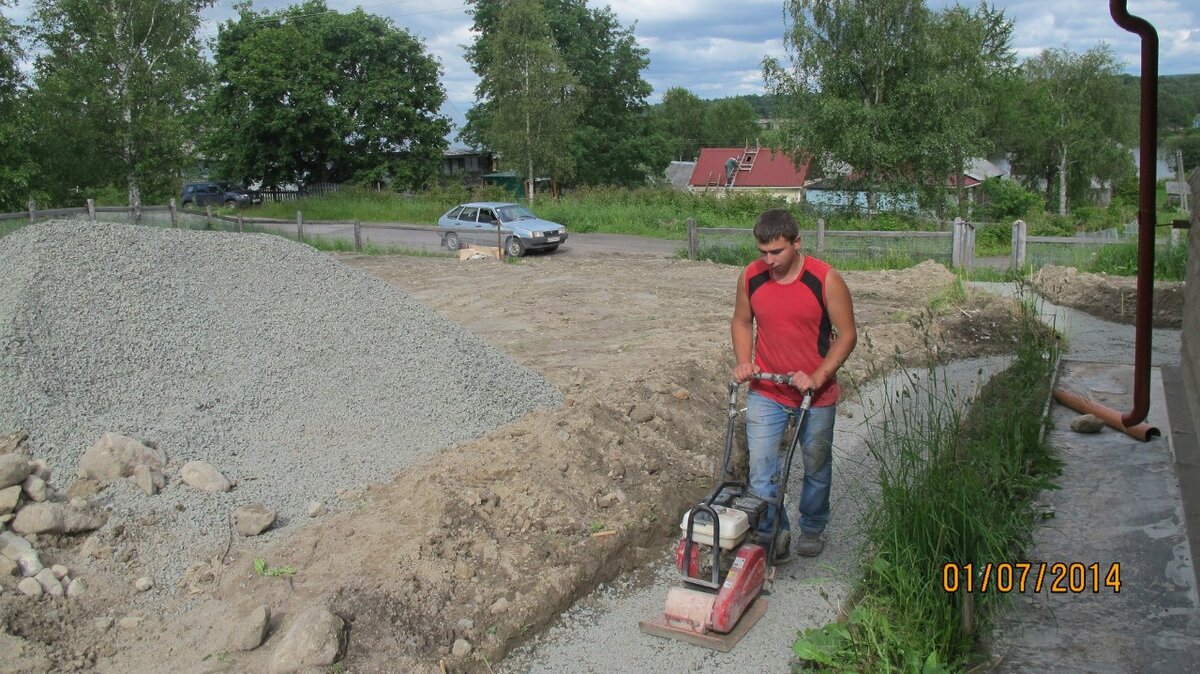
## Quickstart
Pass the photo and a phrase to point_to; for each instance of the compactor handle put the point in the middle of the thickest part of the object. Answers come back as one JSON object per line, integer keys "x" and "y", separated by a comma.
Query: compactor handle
{"x": 776, "y": 377}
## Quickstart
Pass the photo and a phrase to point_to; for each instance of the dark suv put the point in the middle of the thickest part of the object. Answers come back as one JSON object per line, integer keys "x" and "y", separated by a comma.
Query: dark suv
{"x": 217, "y": 193}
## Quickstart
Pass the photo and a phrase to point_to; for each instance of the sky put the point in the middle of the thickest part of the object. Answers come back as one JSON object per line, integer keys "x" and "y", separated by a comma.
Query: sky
{"x": 715, "y": 48}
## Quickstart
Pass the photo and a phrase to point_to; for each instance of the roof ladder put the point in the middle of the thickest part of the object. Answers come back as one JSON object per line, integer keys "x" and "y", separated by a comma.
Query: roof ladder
{"x": 744, "y": 163}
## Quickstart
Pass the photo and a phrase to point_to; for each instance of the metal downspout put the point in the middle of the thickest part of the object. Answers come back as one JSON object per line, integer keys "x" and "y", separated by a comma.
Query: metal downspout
{"x": 1146, "y": 216}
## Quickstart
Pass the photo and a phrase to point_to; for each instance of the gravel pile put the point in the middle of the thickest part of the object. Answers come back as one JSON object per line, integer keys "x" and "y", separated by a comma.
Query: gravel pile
{"x": 292, "y": 374}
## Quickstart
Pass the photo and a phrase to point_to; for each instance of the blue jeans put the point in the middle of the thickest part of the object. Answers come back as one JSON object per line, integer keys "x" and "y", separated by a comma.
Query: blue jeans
{"x": 766, "y": 422}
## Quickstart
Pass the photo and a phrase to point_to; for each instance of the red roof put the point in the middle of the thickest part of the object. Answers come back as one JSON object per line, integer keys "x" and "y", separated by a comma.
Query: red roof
{"x": 770, "y": 169}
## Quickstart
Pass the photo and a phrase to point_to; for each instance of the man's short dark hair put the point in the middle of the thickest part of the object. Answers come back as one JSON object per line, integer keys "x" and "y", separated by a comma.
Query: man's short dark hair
{"x": 775, "y": 223}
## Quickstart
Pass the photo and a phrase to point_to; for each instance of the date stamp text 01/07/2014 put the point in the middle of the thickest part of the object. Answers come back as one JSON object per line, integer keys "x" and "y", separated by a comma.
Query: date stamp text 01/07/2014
{"x": 1057, "y": 577}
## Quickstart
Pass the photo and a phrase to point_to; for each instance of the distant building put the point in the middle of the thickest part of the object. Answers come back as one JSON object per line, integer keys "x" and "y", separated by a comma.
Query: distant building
{"x": 679, "y": 173}
{"x": 725, "y": 170}
{"x": 467, "y": 164}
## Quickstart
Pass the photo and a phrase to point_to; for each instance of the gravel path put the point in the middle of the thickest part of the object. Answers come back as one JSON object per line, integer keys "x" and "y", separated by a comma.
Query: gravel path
{"x": 291, "y": 373}
{"x": 600, "y": 633}
{"x": 1095, "y": 339}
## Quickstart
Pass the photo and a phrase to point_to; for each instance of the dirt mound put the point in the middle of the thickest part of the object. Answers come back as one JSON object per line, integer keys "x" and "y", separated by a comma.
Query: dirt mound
{"x": 1113, "y": 298}
{"x": 488, "y": 541}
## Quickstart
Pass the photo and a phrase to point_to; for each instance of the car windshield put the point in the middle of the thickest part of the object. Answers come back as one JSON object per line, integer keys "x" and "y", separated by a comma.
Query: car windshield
{"x": 231, "y": 187}
{"x": 510, "y": 213}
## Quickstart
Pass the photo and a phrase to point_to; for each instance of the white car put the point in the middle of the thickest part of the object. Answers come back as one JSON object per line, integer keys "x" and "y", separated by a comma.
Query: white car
{"x": 520, "y": 230}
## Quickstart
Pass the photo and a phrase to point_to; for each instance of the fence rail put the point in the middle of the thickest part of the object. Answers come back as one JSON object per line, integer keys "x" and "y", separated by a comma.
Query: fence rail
{"x": 956, "y": 247}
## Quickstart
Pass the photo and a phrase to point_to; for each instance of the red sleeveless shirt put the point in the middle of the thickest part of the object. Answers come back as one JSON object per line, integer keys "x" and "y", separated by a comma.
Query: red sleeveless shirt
{"x": 793, "y": 329}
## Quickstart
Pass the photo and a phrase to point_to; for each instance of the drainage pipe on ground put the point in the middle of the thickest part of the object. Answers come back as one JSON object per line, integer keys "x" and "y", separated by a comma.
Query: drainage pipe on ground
{"x": 1111, "y": 417}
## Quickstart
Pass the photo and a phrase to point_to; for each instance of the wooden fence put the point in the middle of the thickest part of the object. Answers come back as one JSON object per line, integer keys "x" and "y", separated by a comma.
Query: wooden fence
{"x": 177, "y": 216}
{"x": 958, "y": 244}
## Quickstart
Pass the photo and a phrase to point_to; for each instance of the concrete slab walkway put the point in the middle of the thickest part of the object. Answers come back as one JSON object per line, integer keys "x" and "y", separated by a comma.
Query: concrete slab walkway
{"x": 1119, "y": 507}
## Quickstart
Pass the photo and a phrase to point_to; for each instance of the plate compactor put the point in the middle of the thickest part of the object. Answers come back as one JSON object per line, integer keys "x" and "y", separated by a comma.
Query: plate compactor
{"x": 723, "y": 563}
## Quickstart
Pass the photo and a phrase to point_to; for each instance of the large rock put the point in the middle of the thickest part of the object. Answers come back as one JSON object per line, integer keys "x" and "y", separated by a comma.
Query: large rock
{"x": 13, "y": 442}
{"x": 205, "y": 477}
{"x": 149, "y": 479}
{"x": 50, "y": 584}
{"x": 20, "y": 551}
{"x": 248, "y": 632}
{"x": 14, "y": 468}
{"x": 315, "y": 639}
{"x": 9, "y": 498}
{"x": 253, "y": 519}
{"x": 35, "y": 488}
{"x": 114, "y": 456}
{"x": 56, "y": 518}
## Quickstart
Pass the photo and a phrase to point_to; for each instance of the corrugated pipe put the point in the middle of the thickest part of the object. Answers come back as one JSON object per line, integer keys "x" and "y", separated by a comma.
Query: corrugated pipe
{"x": 1146, "y": 174}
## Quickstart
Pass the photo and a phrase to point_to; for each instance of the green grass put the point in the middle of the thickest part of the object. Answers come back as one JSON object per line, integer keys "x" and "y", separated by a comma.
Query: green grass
{"x": 852, "y": 257}
{"x": 1170, "y": 262}
{"x": 320, "y": 243}
{"x": 955, "y": 483}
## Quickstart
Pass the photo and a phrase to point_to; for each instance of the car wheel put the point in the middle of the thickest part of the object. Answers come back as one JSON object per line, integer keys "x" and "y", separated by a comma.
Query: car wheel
{"x": 230, "y": 203}
{"x": 451, "y": 241}
{"x": 187, "y": 204}
{"x": 514, "y": 247}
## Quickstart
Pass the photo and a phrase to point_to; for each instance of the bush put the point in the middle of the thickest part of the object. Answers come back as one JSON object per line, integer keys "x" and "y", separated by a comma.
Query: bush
{"x": 1007, "y": 200}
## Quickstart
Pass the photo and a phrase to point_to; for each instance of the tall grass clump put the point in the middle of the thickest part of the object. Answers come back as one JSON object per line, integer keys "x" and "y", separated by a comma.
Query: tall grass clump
{"x": 954, "y": 482}
{"x": 1121, "y": 259}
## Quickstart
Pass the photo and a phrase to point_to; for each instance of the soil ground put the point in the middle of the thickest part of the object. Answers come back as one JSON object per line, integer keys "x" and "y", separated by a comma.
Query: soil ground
{"x": 1112, "y": 298}
{"x": 489, "y": 541}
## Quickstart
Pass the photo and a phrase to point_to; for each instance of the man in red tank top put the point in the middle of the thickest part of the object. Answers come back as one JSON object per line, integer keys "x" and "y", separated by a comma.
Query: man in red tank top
{"x": 793, "y": 315}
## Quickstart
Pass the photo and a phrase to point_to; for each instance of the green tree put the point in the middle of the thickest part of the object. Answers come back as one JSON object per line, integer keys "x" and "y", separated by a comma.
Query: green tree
{"x": 16, "y": 169}
{"x": 681, "y": 118}
{"x": 851, "y": 61}
{"x": 968, "y": 64}
{"x": 116, "y": 83}
{"x": 538, "y": 97}
{"x": 1187, "y": 142}
{"x": 730, "y": 122}
{"x": 889, "y": 89}
{"x": 1074, "y": 122}
{"x": 615, "y": 140}
{"x": 306, "y": 94}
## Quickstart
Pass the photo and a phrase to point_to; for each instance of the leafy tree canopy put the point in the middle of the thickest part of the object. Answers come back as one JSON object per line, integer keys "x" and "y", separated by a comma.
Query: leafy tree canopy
{"x": 539, "y": 96}
{"x": 1074, "y": 122}
{"x": 116, "y": 84}
{"x": 16, "y": 169}
{"x": 730, "y": 122}
{"x": 615, "y": 141}
{"x": 306, "y": 94}
{"x": 888, "y": 88}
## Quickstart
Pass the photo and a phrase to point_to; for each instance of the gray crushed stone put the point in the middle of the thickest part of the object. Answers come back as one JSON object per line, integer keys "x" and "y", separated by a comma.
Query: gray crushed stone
{"x": 294, "y": 375}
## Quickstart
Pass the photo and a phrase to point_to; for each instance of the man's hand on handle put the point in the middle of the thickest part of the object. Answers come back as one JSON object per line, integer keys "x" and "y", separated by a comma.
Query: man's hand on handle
{"x": 744, "y": 371}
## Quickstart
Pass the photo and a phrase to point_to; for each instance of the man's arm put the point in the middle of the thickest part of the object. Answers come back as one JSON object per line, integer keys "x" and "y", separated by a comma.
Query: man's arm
{"x": 742, "y": 330}
{"x": 841, "y": 314}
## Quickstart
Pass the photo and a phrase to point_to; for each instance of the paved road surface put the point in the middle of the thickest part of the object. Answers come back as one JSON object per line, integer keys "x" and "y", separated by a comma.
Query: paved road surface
{"x": 416, "y": 237}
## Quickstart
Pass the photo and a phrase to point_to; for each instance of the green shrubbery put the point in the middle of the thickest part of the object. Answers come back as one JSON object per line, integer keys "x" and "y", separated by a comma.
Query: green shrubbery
{"x": 950, "y": 486}
{"x": 1007, "y": 200}
{"x": 1170, "y": 262}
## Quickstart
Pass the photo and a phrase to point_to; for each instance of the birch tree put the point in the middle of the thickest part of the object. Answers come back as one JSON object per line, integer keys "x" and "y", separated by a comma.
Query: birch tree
{"x": 534, "y": 99}
{"x": 115, "y": 85}
{"x": 1075, "y": 122}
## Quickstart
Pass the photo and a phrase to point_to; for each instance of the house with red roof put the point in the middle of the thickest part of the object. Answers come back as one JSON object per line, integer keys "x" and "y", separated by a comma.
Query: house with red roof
{"x": 726, "y": 170}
